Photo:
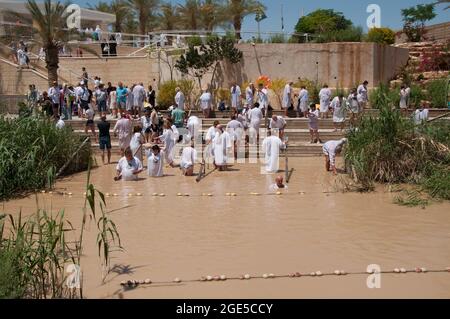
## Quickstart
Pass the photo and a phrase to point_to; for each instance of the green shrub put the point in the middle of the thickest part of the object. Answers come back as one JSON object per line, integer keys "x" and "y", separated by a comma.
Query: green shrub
{"x": 166, "y": 94}
{"x": 380, "y": 96}
{"x": 32, "y": 149}
{"x": 437, "y": 93}
{"x": 194, "y": 41}
{"x": 381, "y": 35}
{"x": 417, "y": 95}
{"x": 352, "y": 34}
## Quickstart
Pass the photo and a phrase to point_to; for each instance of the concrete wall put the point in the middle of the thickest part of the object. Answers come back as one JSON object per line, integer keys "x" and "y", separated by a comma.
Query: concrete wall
{"x": 436, "y": 32}
{"x": 337, "y": 64}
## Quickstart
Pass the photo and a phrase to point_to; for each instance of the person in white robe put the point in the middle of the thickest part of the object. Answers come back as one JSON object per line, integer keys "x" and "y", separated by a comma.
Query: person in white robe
{"x": 179, "y": 98}
{"x": 209, "y": 137}
{"x": 325, "y": 98}
{"x": 205, "y": 103}
{"x": 278, "y": 123}
{"x": 421, "y": 115}
{"x": 249, "y": 95}
{"x": 271, "y": 147}
{"x": 168, "y": 138}
{"x": 353, "y": 106}
{"x": 363, "y": 97}
{"x": 236, "y": 131}
{"x": 287, "y": 98}
{"x": 404, "y": 98}
{"x": 136, "y": 142}
{"x": 331, "y": 149}
{"x": 235, "y": 97}
{"x": 128, "y": 167}
{"x": 255, "y": 117}
{"x": 130, "y": 100}
{"x": 138, "y": 99}
{"x": 303, "y": 100}
{"x": 262, "y": 98}
{"x": 155, "y": 161}
{"x": 188, "y": 159}
{"x": 339, "y": 106}
{"x": 221, "y": 146}
{"x": 194, "y": 124}
{"x": 123, "y": 129}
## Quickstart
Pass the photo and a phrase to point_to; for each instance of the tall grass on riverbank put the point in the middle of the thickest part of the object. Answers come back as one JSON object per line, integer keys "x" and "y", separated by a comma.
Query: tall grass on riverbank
{"x": 32, "y": 150}
{"x": 391, "y": 149}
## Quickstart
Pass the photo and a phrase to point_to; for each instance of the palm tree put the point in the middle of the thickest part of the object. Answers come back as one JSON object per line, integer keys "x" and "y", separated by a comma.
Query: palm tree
{"x": 169, "y": 17}
{"x": 212, "y": 14}
{"x": 50, "y": 32}
{"x": 441, "y": 2}
{"x": 118, "y": 8}
{"x": 143, "y": 9}
{"x": 239, "y": 9}
{"x": 190, "y": 14}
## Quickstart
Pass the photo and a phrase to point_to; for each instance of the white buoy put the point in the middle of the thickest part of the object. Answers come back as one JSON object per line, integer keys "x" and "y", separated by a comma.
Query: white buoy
{"x": 337, "y": 272}
{"x": 138, "y": 194}
{"x": 210, "y": 194}
{"x": 115, "y": 195}
{"x": 223, "y": 277}
{"x": 70, "y": 194}
{"x": 271, "y": 275}
{"x": 107, "y": 194}
{"x": 179, "y": 194}
{"x": 423, "y": 269}
{"x": 123, "y": 283}
{"x": 265, "y": 276}
{"x": 313, "y": 273}
{"x": 247, "y": 276}
{"x": 162, "y": 194}
{"x": 209, "y": 278}
{"x": 318, "y": 273}
{"x": 130, "y": 194}
{"x": 43, "y": 191}
{"x": 186, "y": 194}
{"x": 278, "y": 193}
{"x": 228, "y": 194}
{"x": 233, "y": 194}
{"x": 177, "y": 280}
{"x": 147, "y": 281}
{"x": 396, "y": 270}
{"x": 403, "y": 270}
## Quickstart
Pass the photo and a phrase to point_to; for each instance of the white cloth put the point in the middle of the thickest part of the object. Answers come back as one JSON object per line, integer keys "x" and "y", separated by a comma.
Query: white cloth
{"x": 155, "y": 164}
{"x": 179, "y": 100}
{"x": 249, "y": 96}
{"x": 271, "y": 147}
{"x": 325, "y": 97}
{"x": 112, "y": 100}
{"x": 54, "y": 94}
{"x": 210, "y": 134}
{"x": 420, "y": 116}
{"x": 127, "y": 168}
{"x": 235, "y": 97}
{"x": 168, "y": 138}
{"x": 146, "y": 122}
{"x": 60, "y": 124}
{"x": 287, "y": 96}
{"x": 138, "y": 96}
{"x": 339, "y": 108}
{"x": 130, "y": 99}
{"x": 303, "y": 100}
{"x": 205, "y": 101}
{"x": 404, "y": 97}
{"x": 136, "y": 142}
{"x": 188, "y": 157}
{"x": 123, "y": 128}
{"x": 362, "y": 94}
{"x": 221, "y": 145}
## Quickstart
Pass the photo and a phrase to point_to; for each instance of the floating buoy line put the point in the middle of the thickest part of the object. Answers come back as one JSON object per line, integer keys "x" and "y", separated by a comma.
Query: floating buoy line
{"x": 209, "y": 278}
{"x": 278, "y": 193}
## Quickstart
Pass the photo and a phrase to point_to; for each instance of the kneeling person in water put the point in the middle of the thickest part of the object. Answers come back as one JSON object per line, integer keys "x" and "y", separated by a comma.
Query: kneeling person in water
{"x": 331, "y": 149}
{"x": 128, "y": 167}
{"x": 188, "y": 158}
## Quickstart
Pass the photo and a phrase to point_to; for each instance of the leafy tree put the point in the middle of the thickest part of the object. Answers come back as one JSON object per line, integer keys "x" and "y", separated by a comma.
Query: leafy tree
{"x": 190, "y": 14}
{"x": 321, "y": 21}
{"x": 414, "y": 19}
{"x": 144, "y": 10}
{"x": 169, "y": 17}
{"x": 198, "y": 60}
{"x": 381, "y": 35}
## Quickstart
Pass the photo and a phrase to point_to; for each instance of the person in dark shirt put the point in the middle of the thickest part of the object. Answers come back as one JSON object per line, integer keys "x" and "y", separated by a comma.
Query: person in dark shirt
{"x": 151, "y": 96}
{"x": 104, "y": 137}
{"x": 46, "y": 104}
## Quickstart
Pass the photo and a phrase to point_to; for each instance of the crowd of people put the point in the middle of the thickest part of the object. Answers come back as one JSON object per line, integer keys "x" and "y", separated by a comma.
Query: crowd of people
{"x": 143, "y": 131}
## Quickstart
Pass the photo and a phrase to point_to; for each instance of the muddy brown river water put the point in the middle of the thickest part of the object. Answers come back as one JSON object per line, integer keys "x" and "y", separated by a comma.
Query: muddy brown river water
{"x": 194, "y": 236}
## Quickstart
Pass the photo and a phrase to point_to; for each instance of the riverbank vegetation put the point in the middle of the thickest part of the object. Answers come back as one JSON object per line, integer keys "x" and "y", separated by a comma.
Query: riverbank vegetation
{"x": 33, "y": 150}
{"x": 391, "y": 149}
